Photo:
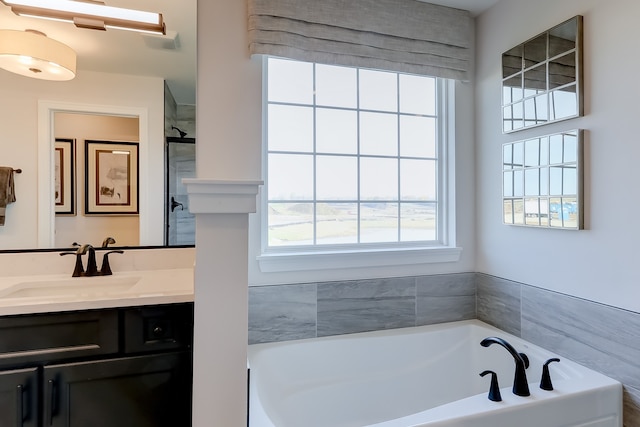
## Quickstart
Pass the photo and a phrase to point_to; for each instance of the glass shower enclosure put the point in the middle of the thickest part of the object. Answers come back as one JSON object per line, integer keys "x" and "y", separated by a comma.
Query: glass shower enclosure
{"x": 180, "y": 227}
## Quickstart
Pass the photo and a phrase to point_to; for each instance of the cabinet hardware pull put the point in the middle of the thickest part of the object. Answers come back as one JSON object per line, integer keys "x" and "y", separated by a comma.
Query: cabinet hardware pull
{"x": 20, "y": 405}
{"x": 53, "y": 400}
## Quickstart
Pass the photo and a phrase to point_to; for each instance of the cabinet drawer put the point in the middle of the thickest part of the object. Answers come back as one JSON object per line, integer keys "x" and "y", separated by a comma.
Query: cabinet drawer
{"x": 156, "y": 328}
{"x": 57, "y": 336}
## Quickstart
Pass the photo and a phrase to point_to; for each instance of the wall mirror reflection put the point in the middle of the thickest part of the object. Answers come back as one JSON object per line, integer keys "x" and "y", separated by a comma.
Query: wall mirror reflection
{"x": 146, "y": 80}
{"x": 542, "y": 181}
{"x": 542, "y": 78}
{"x": 80, "y": 227}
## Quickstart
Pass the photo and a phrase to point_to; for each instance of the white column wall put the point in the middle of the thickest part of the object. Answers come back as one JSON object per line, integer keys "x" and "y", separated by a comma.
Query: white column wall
{"x": 229, "y": 137}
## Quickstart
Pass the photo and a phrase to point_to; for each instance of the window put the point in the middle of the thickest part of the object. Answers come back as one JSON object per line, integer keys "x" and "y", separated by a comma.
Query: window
{"x": 354, "y": 159}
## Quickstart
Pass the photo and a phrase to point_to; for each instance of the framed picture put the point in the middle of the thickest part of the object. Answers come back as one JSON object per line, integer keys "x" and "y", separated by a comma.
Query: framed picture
{"x": 111, "y": 178}
{"x": 65, "y": 176}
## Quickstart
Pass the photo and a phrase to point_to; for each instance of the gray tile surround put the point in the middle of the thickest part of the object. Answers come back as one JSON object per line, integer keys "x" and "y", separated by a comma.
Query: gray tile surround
{"x": 445, "y": 298}
{"x": 498, "y": 303}
{"x": 365, "y": 305}
{"x": 284, "y": 312}
{"x": 601, "y": 337}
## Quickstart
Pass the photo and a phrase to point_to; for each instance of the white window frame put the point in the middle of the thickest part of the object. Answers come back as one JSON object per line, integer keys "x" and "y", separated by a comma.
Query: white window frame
{"x": 324, "y": 257}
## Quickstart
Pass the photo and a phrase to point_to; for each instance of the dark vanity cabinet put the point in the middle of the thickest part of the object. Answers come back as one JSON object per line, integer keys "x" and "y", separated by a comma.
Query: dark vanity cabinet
{"x": 121, "y": 367}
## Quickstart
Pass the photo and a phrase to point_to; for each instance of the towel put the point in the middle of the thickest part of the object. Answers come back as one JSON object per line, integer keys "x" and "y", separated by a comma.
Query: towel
{"x": 7, "y": 192}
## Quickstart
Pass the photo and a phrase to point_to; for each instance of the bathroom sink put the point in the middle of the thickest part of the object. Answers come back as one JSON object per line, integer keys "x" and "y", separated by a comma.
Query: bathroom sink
{"x": 77, "y": 287}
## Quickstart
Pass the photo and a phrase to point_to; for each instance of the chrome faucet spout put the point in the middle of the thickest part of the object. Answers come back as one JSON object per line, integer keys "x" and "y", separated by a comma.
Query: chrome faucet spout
{"x": 520, "y": 383}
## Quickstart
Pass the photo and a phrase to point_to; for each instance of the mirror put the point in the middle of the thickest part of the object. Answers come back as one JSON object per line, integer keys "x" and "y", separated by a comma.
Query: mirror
{"x": 118, "y": 181}
{"x": 542, "y": 78}
{"x": 542, "y": 181}
{"x": 151, "y": 81}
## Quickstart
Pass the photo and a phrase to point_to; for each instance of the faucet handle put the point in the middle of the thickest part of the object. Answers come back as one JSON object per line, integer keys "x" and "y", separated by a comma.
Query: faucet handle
{"x": 545, "y": 381}
{"x": 105, "y": 270}
{"x": 78, "y": 270}
{"x": 494, "y": 389}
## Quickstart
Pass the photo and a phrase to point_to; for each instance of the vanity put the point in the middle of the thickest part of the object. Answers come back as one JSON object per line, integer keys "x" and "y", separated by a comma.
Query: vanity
{"x": 97, "y": 351}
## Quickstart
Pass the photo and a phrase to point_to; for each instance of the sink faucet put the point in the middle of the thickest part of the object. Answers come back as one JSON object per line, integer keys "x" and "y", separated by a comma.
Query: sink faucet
{"x": 520, "y": 385}
{"x": 92, "y": 268}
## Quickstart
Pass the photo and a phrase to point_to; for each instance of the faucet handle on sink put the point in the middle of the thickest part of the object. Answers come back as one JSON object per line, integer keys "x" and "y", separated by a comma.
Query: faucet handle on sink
{"x": 105, "y": 270}
{"x": 79, "y": 268}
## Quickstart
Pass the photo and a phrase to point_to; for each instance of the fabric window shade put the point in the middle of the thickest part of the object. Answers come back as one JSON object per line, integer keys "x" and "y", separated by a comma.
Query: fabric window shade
{"x": 396, "y": 35}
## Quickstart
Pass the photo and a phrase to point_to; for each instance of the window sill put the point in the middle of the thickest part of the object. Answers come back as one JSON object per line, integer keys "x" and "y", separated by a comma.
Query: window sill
{"x": 307, "y": 261}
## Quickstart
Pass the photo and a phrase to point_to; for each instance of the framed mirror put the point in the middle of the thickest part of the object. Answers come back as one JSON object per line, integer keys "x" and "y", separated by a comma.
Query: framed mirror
{"x": 542, "y": 78}
{"x": 542, "y": 180}
{"x": 148, "y": 81}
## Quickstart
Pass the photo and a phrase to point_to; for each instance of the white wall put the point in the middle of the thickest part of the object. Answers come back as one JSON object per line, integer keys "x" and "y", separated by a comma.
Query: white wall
{"x": 599, "y": 263}
{"x": 19, "y": 138}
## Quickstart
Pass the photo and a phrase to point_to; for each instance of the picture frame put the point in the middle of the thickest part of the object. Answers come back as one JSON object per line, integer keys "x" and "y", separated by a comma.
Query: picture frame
{"x": 111, "y": 178}
{"x": 65, "y": 176}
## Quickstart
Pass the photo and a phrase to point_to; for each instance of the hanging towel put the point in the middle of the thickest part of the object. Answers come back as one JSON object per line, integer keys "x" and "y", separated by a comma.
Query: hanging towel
{"x": 7, "y": 192}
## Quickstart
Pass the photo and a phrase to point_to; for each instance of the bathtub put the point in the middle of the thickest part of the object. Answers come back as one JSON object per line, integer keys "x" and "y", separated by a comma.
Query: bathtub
{"x": 422, "y": 376}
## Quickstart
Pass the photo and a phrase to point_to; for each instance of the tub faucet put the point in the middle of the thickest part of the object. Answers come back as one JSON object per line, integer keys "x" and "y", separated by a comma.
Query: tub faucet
{"x": 520, "y": 384}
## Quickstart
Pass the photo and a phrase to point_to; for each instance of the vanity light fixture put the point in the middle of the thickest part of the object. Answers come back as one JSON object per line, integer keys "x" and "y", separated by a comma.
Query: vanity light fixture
{"x": 89, "y": 14}
{"x": 31, "y": 53}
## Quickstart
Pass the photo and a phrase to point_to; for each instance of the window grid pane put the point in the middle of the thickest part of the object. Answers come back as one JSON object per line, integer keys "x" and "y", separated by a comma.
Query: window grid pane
{"x": 367, "y": 174}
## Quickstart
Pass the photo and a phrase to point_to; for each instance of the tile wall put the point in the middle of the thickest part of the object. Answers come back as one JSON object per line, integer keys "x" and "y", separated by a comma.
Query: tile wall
{"x": 601, "y": 337}
{"x": 286, "y": 312}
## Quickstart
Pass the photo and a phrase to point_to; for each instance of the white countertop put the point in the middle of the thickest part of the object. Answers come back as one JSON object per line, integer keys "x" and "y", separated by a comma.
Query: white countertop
{"x": 61, "y": 292}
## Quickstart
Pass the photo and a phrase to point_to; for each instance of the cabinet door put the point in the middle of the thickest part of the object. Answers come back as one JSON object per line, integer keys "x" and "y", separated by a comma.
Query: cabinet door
{"x": 143, "y": 391}
{"x": 18, "y": 394}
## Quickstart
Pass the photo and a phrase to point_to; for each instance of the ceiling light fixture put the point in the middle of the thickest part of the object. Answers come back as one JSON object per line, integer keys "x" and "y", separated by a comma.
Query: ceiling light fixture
{"x": 31, "y": 53}
{"x": 89, "y": 14}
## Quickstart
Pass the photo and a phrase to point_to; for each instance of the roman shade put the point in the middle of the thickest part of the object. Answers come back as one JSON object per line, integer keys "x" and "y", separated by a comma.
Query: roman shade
{"x": 396, "y": 35}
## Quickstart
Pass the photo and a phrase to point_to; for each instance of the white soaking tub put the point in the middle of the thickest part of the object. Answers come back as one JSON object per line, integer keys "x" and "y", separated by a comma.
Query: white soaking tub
{"x": 422, "y": 376}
